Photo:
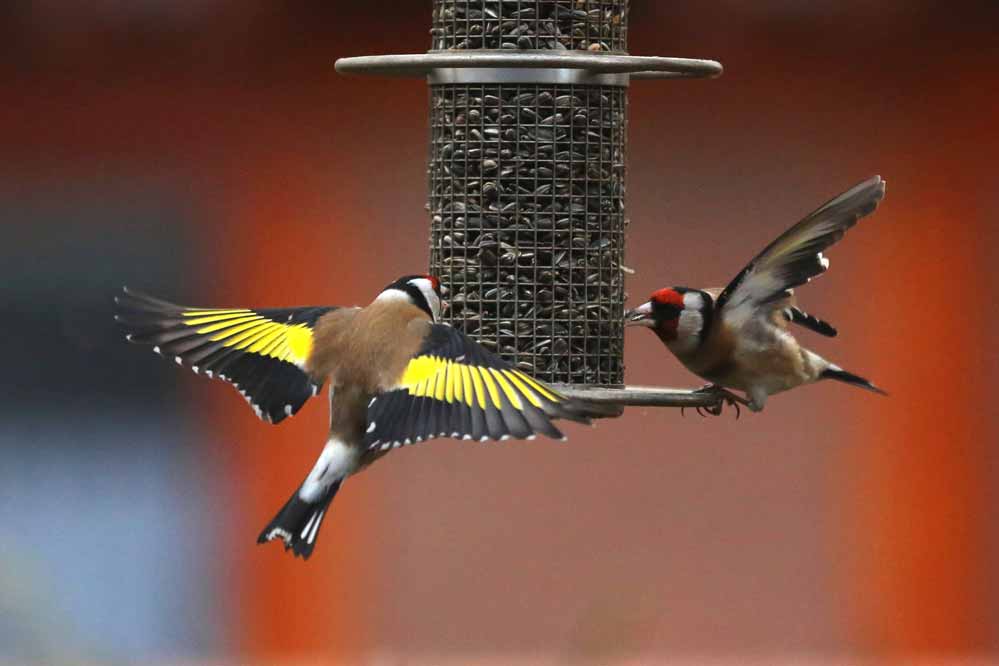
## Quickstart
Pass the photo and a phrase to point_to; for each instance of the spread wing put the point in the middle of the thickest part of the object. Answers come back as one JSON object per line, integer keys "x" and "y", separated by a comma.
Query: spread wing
{"x": 796, "y": 256}
{"x": 260, "y": 352}
{"x": 452, "y": 387}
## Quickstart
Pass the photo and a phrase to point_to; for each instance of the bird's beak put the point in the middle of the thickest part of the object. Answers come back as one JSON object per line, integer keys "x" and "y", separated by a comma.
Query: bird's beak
{"x": 640, "y": 316}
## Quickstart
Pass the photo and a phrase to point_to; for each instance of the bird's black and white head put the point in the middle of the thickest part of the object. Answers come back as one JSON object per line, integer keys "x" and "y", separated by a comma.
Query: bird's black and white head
{"x": 680, "y": 316}
{"x": 423, "y": 291}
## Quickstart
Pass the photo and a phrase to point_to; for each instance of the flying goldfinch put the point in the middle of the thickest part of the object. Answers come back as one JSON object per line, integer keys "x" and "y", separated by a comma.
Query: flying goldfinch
{"x": 396, "y": 378}
{"x": 739, "y": 337}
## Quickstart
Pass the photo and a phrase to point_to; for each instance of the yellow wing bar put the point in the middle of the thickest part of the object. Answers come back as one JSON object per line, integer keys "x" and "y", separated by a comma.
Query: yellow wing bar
{"x": 452, "y": 387}
{"x": 251, "y": 332}
{"x": 473, "y": 385}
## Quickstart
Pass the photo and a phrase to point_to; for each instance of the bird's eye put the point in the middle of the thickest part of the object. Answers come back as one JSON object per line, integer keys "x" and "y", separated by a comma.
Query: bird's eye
{"x": 667, "y": 311}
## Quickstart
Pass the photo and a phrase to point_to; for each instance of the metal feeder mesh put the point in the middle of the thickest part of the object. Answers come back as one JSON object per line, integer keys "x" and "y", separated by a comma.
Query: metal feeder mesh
{"x": 594, "y": 25}
{"x": 527, "y": 187}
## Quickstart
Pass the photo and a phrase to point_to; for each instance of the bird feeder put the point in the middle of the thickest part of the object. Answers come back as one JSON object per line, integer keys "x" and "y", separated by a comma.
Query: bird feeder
{"x": 527, "y": 171}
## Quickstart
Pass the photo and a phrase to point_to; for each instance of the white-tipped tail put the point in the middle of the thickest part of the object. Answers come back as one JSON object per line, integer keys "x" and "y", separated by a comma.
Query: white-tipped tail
{"x": 297, "y": 523}
{"x": 841, "y": 375}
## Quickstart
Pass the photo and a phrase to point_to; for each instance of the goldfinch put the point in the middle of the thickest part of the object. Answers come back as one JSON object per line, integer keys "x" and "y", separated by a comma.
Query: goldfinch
{"x": 738, "y": 337}
{"x": 396, "y": 377}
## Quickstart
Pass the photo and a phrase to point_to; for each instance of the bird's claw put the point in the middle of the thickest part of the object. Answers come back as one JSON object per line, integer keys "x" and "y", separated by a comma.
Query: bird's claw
{"x": 700, "y": 409}
{"x": 724, "y": 397}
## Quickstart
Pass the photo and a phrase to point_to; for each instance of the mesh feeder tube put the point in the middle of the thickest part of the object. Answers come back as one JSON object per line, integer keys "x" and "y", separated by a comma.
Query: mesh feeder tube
{"x": 528, "y": 119}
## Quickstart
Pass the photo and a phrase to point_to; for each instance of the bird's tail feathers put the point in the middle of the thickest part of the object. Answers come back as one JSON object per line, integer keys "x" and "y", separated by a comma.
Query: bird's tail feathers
{"x": 841, "y": 375}
{"x": 298, "y": 521}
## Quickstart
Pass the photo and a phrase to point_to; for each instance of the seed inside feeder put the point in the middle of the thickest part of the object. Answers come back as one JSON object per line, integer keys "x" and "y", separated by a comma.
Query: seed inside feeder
{"x": 527, "y": 205}
{"x": 584, "y": 25}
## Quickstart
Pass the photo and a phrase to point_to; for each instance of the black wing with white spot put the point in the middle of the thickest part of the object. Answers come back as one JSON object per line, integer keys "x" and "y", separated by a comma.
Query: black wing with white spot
{"x": 811, "y": 322}
{"x": 260, "y": 352}
{"x": 452, "y": 387}
{"x": 796, "y": 256}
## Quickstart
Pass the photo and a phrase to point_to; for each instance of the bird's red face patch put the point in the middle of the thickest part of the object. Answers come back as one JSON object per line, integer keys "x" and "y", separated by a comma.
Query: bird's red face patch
{"x": 667, "y": 304}
{"x": 439, "y": 289}
{"x": 668, "y": 297}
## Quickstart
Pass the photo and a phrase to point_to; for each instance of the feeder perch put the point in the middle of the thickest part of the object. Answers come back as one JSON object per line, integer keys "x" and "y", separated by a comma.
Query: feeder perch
{"x": 528, "y": 120}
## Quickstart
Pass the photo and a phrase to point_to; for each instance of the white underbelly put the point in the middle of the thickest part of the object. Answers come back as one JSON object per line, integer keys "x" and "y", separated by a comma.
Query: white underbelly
{"x": 771, "y": 363}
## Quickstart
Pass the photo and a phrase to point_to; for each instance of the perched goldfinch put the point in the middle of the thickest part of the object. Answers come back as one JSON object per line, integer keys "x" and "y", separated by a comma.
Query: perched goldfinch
{"x": 396, "y": 377}
{"x": 738, "y": 337}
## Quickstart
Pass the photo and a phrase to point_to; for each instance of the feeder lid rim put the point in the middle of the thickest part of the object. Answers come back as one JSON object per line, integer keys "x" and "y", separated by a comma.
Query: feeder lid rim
{"x": 422, "y": 64}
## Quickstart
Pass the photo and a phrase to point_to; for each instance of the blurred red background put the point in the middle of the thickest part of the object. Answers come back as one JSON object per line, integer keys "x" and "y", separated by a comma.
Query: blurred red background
{"x": 835, "y": 524}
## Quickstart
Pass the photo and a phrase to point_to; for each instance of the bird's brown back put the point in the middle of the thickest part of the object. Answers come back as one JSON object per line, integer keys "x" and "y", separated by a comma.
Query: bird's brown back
{"x": 361, "y": 352}
{"x": 368, "y": 348}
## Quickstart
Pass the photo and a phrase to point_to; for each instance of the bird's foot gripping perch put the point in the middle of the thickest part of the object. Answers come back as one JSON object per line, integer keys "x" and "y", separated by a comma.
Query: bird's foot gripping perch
{"x": 723, "y": 397}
